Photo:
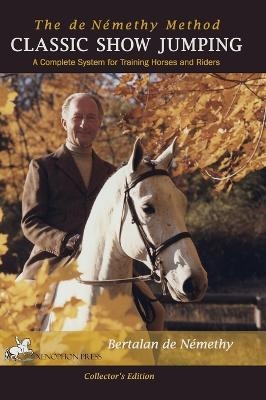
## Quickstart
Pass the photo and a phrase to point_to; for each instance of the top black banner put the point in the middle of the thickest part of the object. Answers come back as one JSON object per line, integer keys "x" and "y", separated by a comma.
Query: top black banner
{"x": 165, "y": 41}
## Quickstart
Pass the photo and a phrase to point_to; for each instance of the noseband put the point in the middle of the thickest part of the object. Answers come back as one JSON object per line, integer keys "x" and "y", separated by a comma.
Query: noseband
{"x": 152, "y": 251}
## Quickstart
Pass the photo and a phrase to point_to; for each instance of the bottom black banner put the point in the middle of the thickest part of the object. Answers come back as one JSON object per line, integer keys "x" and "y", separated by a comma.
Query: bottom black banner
{"x": 210, "y": 382}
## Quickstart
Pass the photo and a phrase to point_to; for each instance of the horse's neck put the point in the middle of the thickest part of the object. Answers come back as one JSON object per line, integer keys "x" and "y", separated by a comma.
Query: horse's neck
{"x": 101, "y": 256}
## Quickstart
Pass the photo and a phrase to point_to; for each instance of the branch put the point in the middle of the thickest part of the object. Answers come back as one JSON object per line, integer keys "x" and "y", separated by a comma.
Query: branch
{"x": 248, "y": 161}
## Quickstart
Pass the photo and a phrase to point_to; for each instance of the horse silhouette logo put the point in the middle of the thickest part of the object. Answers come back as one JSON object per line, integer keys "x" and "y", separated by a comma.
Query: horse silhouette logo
{"x": 21, "y": 352}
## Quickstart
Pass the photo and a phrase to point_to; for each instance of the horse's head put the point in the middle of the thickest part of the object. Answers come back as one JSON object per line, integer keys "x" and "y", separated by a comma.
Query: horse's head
{"x": 153, "y": 228}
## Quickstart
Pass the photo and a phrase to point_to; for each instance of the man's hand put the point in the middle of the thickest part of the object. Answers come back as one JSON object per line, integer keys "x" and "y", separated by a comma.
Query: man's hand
{"x": 73, "y": 243}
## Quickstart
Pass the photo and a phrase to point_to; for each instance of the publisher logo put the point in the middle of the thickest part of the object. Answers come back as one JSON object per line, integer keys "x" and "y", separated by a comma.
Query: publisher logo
{"x": 23, "y": 352}
{"x": 20, "y": 352}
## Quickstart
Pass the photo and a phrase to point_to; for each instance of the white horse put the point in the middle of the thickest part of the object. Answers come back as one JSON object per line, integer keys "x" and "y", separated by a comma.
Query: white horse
{"x": 21, "y": 348}
{"x": 138, "y": 214}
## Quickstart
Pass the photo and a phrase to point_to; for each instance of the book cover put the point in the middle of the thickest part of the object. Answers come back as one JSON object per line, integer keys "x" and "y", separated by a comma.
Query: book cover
{"x": 193, "y": 74}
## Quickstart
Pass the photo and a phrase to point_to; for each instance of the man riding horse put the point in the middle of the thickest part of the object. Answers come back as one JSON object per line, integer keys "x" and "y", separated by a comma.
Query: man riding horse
{"x": 60, "y": 190}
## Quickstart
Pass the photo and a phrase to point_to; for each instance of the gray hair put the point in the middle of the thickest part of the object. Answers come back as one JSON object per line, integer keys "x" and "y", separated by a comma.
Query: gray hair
{"x": 73, "y": 96}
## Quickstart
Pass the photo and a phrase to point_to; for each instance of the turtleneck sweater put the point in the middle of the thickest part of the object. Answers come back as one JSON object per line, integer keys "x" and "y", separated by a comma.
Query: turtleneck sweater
{"x": 83, "y": 159}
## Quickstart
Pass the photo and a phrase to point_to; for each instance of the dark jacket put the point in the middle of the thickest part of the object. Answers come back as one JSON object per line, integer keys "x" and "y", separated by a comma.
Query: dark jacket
{"x": 56, "y": 203}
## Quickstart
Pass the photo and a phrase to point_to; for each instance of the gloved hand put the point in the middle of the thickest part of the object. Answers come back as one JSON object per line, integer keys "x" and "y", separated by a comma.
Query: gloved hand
{"x": 72, "y": 245}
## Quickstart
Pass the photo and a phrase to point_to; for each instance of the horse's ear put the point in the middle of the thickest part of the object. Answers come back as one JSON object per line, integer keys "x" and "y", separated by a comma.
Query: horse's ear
{"x": 136, "y": 156}
{"x": 164, "y": 160}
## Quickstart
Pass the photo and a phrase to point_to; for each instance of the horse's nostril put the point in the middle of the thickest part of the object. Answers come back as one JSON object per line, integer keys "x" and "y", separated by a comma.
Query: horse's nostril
{"x": 188, "y": 286}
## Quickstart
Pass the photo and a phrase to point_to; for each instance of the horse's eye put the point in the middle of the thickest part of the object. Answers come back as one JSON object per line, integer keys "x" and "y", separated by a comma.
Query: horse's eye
{"x": 148, "y": 209}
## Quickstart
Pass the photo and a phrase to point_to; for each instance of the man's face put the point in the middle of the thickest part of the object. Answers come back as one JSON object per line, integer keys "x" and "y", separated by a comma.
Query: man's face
{"x": 82, "y": 121}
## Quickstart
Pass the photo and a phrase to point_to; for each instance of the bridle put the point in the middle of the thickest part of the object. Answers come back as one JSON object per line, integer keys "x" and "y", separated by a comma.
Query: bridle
{"x": 152, "y": 251}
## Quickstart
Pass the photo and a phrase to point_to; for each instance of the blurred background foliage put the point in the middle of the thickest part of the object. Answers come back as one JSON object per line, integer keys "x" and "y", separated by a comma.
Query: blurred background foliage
{"x": 219, "y": 121}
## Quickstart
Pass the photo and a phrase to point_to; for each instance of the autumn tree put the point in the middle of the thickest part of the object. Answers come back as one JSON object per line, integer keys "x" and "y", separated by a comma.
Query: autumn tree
{"x": 218, "y": 119}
